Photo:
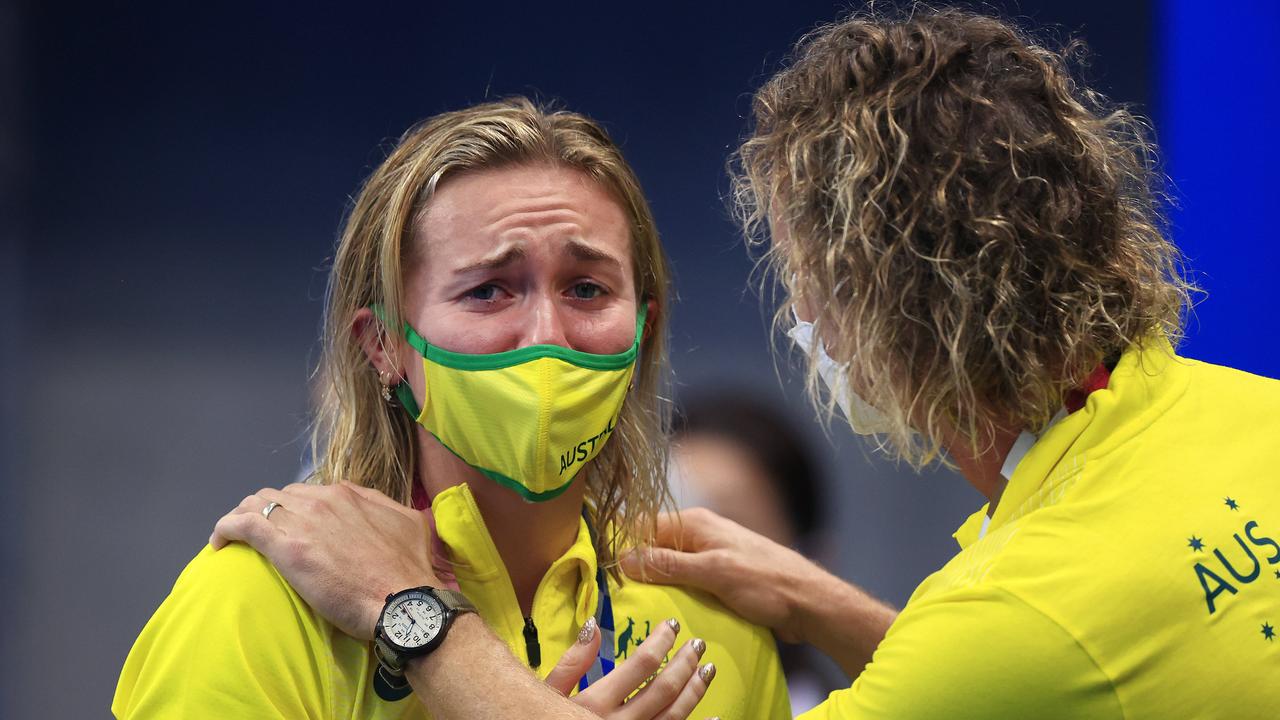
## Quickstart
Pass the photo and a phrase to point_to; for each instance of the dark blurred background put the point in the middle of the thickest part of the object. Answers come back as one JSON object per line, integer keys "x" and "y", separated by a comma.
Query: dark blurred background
{"x": 172, "y": 177}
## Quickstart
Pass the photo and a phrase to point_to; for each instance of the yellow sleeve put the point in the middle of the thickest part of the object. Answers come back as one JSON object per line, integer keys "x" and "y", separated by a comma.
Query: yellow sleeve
{"x": 232, "y": 640}
{"x": 980, "y": 653}
{"x": 768, "y": 692}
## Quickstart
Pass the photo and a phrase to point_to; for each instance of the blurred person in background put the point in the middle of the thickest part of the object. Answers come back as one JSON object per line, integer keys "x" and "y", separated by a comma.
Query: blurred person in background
{"x": 972, "y": 251}
{"x": 741, "y": 457}
{"x": 494, "y": 347}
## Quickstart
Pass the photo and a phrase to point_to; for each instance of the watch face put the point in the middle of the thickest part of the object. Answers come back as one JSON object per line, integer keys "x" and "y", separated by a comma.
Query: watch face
{"x": 413, "y": 620}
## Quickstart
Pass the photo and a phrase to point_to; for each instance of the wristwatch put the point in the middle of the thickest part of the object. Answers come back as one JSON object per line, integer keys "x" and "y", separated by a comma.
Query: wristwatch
{"x": 412, "y": 624}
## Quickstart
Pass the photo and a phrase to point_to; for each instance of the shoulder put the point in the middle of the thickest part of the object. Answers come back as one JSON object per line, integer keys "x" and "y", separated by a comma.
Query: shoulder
{"x": 1230, "y": 391}
{"x": 231, "y": 637}
{"x": 749, "y": 680}
{"x": 241, "y": 590}
{"x": 698, "y": 612}
{"x": 981, "y": 652}
{"x": 248, "y": 572}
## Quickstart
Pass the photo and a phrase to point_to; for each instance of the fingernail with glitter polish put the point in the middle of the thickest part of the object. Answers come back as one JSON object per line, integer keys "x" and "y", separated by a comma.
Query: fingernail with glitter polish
{"x": 707, "y": 673}
{"x": 587, "y": 632}
{"x": 674, "y": 624}
{"x": 699, "y": 646}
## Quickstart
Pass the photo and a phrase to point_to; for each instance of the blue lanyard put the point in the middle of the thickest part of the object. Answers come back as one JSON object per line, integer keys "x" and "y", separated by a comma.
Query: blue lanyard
{"x": 603, "y": 664}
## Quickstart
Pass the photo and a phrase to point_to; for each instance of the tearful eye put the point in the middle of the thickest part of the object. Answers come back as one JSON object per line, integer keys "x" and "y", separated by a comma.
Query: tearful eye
{"x": 587, "y": 291}
{"x": 483, "y": 292}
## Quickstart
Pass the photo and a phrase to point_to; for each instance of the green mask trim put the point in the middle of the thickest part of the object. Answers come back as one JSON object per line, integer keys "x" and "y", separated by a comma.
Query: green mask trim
{"x": 502, "y": 360}
{"x": 497, "y": 361}
{"x": 405, "y": 395}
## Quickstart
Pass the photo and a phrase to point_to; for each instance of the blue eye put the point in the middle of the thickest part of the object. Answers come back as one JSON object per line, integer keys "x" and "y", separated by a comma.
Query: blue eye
{"x": 587, "y": 291}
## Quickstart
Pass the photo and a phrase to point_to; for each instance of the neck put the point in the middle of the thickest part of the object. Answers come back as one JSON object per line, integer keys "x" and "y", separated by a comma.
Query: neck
{"x": 529, "y": 536}
{"x": 982, "y": 468}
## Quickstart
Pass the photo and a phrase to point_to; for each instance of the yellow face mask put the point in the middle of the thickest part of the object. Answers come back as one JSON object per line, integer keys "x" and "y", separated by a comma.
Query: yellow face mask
{"x": 530, "y": 418}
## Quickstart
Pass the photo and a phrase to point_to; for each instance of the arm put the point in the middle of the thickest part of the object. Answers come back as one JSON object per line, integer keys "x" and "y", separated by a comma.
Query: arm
{"x": 456, "y": 681}
{"x": 766, "y": 583}
{"x": 230, "y": 640}
{"x": 978, "y": 653}
{"x": 344, "y": 548}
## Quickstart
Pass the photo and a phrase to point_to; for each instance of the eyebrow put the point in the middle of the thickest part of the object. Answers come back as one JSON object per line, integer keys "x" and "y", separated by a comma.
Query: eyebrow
{"x": 506, "y": 257}
{"x": 586, "y": 253}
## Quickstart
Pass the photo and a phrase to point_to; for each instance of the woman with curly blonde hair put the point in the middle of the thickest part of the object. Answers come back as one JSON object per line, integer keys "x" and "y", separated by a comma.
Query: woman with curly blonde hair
{"x": 972, "y": 252}
{"x": 974, "y": 262}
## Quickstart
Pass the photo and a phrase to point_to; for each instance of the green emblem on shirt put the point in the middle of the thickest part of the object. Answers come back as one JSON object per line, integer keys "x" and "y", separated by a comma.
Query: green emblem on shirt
{"x": 1242, "y": 567}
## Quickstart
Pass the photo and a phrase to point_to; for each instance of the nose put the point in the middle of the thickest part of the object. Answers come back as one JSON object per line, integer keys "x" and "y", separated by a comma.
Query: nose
{"x": 546, "y": 327}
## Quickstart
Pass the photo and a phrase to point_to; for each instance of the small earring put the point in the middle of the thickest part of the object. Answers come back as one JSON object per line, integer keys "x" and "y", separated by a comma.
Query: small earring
{"x": 384, "y": 380}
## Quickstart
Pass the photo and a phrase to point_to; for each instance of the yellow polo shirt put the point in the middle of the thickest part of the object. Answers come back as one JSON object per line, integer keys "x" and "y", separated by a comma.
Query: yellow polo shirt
{"x": 233, "y": 640}
{"x": 1131, "y": 568}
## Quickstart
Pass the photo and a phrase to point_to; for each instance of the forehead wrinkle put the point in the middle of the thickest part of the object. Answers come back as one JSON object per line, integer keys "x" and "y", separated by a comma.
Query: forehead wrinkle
{"x": 512, "y": 220}
{"x": 543, "y": 218}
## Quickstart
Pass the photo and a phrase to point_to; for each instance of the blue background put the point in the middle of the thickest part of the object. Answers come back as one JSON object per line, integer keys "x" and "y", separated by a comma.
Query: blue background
{"x": 1217, "y": 110}
{"x": 172, "y": 177}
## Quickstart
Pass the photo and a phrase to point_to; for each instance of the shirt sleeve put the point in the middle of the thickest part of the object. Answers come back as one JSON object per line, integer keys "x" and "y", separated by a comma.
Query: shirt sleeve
{"x": 232, "y": 640}
{"x": 975, "y": 654}
{"x": 769, "y": 698}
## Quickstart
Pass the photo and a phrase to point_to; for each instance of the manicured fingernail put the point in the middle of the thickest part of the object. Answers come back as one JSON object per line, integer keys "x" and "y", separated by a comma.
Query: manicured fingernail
{"x": 707, "y": 673}
{"x": 699, "y": 646}
{"x": 674, "y": 624}
{"x": 587, "y": 632}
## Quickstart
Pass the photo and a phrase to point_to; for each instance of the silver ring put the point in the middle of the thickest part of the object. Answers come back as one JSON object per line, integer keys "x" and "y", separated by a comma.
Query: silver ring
{"x": 266, "y": 511}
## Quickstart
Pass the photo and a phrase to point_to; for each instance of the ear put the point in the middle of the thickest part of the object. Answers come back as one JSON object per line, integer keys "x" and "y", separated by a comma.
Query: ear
{"x": 373, "y": 338}
{"x": 651, "y": 316}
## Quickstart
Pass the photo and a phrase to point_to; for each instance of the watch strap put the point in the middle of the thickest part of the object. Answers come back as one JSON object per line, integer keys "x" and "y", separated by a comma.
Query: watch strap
{"x": 453, "y": 600}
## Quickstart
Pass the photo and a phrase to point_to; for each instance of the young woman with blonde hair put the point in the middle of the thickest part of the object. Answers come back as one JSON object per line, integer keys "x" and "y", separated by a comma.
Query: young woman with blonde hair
{"x": 494, "y": 354}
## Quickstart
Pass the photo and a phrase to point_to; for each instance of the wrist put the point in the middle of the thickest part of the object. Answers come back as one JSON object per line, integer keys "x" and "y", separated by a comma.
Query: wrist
{"x": 810, "y": 597}
{"x": 418, "y": 668}
{"x": 413, "y": 624}
{"x": 843, "y": 621}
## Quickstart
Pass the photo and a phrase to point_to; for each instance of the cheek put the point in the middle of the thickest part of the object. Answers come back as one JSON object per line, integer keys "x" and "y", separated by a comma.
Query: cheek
{"x": 462, "y": 332}
{"x": 606, "y": 334}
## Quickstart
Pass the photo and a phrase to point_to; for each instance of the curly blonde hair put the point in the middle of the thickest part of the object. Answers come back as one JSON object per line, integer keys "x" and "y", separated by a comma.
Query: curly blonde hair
{"x": 981, "y": 230}
{"x": 362, "y": 439}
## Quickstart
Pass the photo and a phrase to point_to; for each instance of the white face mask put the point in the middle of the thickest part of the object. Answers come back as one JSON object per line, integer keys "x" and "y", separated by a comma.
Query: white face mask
{"x": 866, "y": 420}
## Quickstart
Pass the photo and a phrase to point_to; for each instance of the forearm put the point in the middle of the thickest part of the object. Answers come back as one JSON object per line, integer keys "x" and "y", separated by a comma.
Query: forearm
{"x": 473, "y": 674}
{"x": 839, "y": 618}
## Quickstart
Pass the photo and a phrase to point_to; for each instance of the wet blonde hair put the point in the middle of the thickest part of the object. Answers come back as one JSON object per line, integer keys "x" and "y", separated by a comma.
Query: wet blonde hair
{"x": 978, "y": 230}
{"x": 359, "y": 437}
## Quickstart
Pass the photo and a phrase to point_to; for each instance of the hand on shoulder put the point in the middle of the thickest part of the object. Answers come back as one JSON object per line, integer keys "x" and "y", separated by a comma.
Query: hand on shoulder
{"x": 342, "y": 547}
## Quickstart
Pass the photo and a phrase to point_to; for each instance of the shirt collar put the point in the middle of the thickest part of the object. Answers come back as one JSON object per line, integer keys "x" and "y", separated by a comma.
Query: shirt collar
{"x": 481, "y": 572}
{"x": 1147, "y": 380}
